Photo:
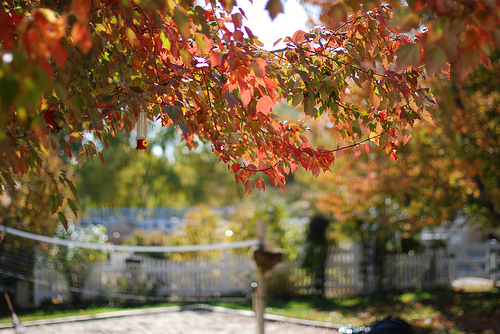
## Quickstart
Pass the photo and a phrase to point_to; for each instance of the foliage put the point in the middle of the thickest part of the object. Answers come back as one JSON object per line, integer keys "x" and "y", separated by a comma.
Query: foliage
{"x": 458, "y": 31}
{"x": 162, "y": 176}
{"x": 146, "y": 238}
{"x": 205, "y": 225}
{"x": 201, "y": 225}
{"x": 445, "y": 169}
{"x": 127, "y": 179}
{"x": 75, "y": 67}
{"x": 30, "y": 205}
{"x": 76, "y": 261}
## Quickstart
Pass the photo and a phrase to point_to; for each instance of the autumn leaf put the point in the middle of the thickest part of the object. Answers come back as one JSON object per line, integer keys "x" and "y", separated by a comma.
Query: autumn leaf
{"x": 265, "y": 104}
{"x": 274, "y": 7}
{"x": 333, "y": 15}
{"x": 435, "y": 61}
{"x": 258, "y": 66}
{"x": 249, "y": 185}
{"x": 132, "y": 38}
{"x": 80, "y": 9}
{"x": 260, "y": 183}
{"x": 80, "y": 34}
{"x": 60, "y": 55}
{"x": 408, "y": 55}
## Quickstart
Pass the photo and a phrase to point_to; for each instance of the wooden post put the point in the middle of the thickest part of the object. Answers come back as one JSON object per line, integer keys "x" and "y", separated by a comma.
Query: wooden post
{"x": 265, "y": 259}
{"x": 261, "y": 283}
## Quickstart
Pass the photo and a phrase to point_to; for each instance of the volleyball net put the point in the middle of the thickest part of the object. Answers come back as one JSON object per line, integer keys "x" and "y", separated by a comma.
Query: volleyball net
{"x": 55, "y": 270}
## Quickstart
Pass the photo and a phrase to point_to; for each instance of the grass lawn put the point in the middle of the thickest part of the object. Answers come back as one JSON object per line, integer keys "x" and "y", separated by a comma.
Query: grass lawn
{"x": 437, "y": 311}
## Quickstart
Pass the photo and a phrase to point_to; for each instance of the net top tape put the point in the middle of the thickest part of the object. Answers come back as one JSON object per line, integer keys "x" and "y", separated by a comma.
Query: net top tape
{"x": 109, "y": 247}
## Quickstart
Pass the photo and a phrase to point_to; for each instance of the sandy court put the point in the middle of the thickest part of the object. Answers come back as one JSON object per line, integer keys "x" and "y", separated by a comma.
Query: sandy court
{"x": 188, "y": 321}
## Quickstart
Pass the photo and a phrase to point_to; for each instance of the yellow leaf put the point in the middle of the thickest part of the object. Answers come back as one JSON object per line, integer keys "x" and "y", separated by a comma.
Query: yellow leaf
{"x": 132, "y": 38}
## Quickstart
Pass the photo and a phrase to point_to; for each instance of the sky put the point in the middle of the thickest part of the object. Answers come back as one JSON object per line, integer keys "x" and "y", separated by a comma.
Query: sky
{"x": 283, "y": 25}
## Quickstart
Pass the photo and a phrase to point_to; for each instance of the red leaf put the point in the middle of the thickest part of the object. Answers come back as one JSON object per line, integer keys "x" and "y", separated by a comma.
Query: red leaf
{"x": 101, "y": 157}
{"x": 60, "y": 55}
{"x": 48, "y": 116}
{"x": 237, "y": 20}
{"x": 265, "y": 104}
{"x": 249, "y": 185}
{"x": 366, "y": 146}
{"x": 393, "y": 155}
{"x": 260, "y": 183}
{"x": 235, "y": 167}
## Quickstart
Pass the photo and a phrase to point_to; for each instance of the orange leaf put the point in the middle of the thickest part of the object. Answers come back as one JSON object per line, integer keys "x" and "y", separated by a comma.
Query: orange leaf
{"x": 60, "y": 54}
{"x": 246, "y": 96}
{"x": 260, "y": 183}
{"x": 265, "y": 104}
{"x": 215, "y": 59}
{"x": 259, "y": 67}
{"x": 249, "y": 185}
{"x": 80, "y": 34}
{"x": 298, "y": 36}
{"x": 80, "y": 8}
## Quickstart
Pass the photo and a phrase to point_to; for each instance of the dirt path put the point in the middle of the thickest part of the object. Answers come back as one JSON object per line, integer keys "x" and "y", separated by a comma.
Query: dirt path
{"x": 188, "y": 321}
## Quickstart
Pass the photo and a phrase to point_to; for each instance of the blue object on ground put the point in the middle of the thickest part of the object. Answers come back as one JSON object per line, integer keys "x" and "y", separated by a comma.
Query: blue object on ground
{"x": 389, "y": 325}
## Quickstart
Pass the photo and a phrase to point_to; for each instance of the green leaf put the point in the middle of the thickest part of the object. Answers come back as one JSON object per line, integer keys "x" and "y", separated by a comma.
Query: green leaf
{"x": 72, "y": 187}
{"x": 9, "y": 89}
{"x": 9, "y": 179}
{"x": 73, "y": 206}
{"x": 405, "y": 19}
{"x": 63, "y": 220}
{"x": 182, "y": 21}
{"x": 53, "y": 203}
{"x": 408, "y": 55}
{"x": 309, "y": 105}
{"x": 81, "y": 158}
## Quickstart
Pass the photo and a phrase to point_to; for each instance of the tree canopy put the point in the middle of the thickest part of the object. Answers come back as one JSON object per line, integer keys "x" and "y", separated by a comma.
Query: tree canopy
{"x": 445, "y": 171}
{"x": 71, "y": 69}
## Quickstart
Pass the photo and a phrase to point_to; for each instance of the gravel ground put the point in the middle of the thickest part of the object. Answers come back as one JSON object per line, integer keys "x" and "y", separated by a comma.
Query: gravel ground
{"x": 187, "y": 321}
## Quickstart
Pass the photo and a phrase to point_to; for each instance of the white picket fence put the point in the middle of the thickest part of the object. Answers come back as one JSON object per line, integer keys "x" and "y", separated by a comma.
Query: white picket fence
{"x": 132, "y": 278}
{"x": 348, "y": 273}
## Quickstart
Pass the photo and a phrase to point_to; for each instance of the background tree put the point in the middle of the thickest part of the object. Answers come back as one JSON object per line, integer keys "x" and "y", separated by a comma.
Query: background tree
{"x": 316, "y": 252}
{"x": 444, "y": 170}
{"x": 75, "y": 262}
